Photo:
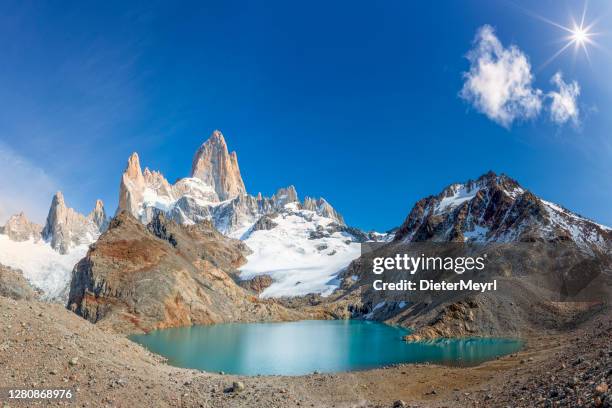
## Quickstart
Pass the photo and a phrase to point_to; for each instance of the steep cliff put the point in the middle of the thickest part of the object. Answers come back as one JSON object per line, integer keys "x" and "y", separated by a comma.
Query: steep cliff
{"x": 139, "y": 278}
{"x": 218, "y": 168}
{"x": 66, "y": 228}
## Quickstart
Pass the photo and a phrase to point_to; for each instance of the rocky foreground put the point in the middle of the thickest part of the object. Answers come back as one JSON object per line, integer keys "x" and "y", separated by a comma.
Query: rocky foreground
{"x": 45, "y": 345}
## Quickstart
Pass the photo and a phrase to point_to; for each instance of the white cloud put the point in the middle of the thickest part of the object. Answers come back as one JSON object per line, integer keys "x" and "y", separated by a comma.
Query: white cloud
{"x": 23, "y": 187}
{"x": 563, "y": 106}
{"x": 499, "y": 82}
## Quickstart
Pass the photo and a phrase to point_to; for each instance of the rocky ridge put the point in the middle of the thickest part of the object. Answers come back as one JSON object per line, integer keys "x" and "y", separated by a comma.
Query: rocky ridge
{"x": 140, "y": 278}
{"x": 526, "y": 239}
{"x": 495, "y": 208}
{"x": 215, "y": 191}
{"x": 66, "y": 228}
{"x": 46, "y": 255}
{"x": 18, "y": 228}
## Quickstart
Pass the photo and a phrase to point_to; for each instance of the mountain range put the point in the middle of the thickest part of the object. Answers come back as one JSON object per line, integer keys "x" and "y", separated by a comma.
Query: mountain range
{"x": 292, "y": 247}
{"x": 300, "y": 244}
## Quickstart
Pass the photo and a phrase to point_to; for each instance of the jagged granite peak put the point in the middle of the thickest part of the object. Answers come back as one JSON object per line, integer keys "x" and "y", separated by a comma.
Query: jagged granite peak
{"x": 323, "y": 208}
{"x": 218, "y": 168}
{"x": 285, "y": 196}
{"x": 141, "y": 193}
{"x": 495, "y": 208}
{"x": 19, "y": 228}
{"x": 66, "y": 228}
{"x": 312, "y": 233}
{"x": 98, "y": 216}
{"x": 192, "y": 200}
{"x": 132, "y": 186}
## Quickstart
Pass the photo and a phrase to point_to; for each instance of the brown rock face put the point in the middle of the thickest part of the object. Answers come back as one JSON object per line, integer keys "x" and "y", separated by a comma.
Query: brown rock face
{"x": 139, "y": 278}
{"x": 257, "y": 284}
{"x": 19, "y": 228}
{"x": 13, "y": 285}
{"x": 214, "y": 165}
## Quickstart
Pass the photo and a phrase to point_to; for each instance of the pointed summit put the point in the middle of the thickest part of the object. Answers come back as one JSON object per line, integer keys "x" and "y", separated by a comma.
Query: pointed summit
{"x": 495, "y": 208}
{"x": 19, "y": 228}
{"x": 133, "y": 170}
{"x": 323, "y": 208}
{"x": 214, "y": 165}
{"x": 98, "y": 216}
{"x": 66, "y": 228}
{"x": 285, "y": 196}
{"x": 132, "y": 186}
{"x": 54, "y": 227}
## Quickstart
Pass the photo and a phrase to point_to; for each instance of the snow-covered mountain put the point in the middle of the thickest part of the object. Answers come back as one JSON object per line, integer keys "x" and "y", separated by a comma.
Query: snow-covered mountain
{"x": 300, "y": 250}
{"x": 214, "y": 191}
{"x": 495, "y": 208}
{"x": 46, "y": 255}
{"x": 302, "y": 245}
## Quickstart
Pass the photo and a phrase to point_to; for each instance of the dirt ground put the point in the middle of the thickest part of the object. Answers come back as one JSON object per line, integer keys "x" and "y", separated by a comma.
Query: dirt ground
{"x": 45, "y": 346}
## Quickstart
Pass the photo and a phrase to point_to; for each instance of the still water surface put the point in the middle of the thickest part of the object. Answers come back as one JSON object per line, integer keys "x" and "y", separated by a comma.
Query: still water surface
{"x": 302, "y": 347}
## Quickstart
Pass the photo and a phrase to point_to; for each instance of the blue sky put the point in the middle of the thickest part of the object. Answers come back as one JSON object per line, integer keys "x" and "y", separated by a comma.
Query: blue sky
{"x": 359, "y": 102}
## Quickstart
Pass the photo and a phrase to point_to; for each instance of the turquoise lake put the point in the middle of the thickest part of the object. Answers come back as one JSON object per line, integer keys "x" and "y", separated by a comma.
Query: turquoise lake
{"x": 296, "y": 348}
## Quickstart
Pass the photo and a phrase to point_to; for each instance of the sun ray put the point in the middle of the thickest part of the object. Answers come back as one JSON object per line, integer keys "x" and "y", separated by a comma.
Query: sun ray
{"x": 555, "y": 55}
{"x": 580, "y": 33}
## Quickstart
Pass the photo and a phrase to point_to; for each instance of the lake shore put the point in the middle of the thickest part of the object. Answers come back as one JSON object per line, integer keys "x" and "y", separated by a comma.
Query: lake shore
{"x": 40, "y": 341}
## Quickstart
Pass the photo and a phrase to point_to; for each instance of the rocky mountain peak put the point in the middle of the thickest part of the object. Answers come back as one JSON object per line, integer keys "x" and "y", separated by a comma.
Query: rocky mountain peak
{"x": 19, "y": 228}
{"x": 214, "y": 165}
{"x": 285, "y": 196}
{"x": 133, "y": 170}
{"x": 66, "y": 228}
{"x": 132, "y": 185}
{"x": 98, "y": 216}
{"x": 323, "y": 208}
{"x": 495, "y": 208}
{"x": 215, "y": 192}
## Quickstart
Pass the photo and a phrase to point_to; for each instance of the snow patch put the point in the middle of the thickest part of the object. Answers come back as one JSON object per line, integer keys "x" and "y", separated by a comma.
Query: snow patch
{"x": 293, "y": 260}
{"x": 460, "y": 195}
{"x": 42, "y": 266}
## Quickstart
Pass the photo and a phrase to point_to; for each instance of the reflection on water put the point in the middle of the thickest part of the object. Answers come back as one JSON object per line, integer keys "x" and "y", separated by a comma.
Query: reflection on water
{"x": 302, "y": 347}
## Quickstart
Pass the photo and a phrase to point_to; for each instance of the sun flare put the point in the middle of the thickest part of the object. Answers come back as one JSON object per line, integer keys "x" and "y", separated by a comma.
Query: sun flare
{"x": 579, "y": 35}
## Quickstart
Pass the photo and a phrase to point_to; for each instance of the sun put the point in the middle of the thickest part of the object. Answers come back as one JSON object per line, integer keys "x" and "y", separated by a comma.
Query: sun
{"x": 579, "y": 35}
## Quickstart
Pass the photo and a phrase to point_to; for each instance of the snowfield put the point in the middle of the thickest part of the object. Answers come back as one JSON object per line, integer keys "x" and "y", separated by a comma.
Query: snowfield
{"x": 297, "y": 264}
{"x": 42, "y": 266}
{"x": 460, "y": 195}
